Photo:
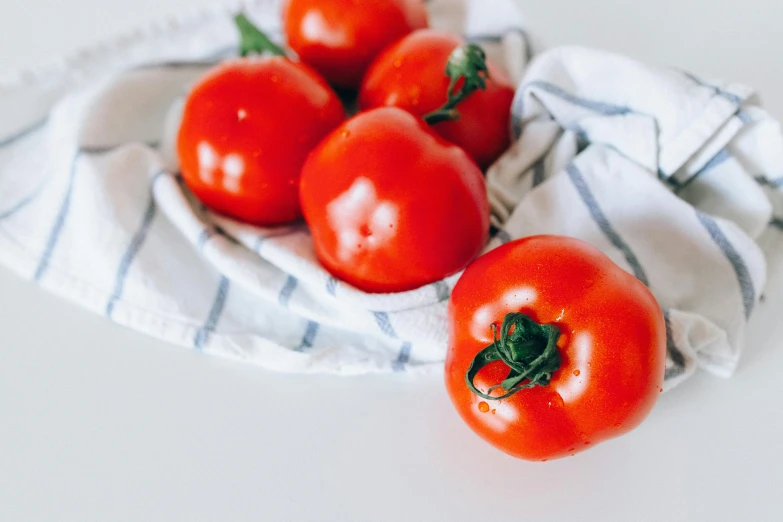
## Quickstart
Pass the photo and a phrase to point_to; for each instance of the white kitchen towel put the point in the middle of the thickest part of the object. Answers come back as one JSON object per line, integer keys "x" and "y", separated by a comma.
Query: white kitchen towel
{"x": 92, "y": 208}
{"x": 672, "y": 176}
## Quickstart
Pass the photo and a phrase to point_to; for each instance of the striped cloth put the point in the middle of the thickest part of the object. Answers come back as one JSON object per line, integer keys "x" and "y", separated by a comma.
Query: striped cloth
{"x": 676, "y": 179}
{"x": 93, "y": 209}
{"x": 653, "y": 166}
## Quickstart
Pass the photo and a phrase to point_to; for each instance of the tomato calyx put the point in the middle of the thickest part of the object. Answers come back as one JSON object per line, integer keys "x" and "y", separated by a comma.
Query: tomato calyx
{"x": 529, "y": 350}
{"x": 253, "y": 40}
{"x": 468, "y": 62}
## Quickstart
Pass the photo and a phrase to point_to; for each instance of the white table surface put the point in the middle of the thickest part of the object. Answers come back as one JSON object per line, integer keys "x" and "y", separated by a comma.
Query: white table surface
{"x": 98, "y": 423}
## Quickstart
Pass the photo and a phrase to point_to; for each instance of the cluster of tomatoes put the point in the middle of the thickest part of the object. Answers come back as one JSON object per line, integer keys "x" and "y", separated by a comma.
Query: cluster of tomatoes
{"x": 394, "y": 196}
{"x": 566, "y": 346}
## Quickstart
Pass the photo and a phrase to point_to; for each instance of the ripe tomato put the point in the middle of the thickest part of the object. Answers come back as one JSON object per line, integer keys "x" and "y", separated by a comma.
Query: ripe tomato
{"x": 391, "y": 205}
{"x": 410, "y": 75}
{"x": 591, "y": 336}
{"x": 339, "y": 38}
{"x": 246, "y": 130}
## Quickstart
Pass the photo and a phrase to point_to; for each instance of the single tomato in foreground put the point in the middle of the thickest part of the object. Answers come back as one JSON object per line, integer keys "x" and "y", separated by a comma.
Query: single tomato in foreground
{"x": 553, "y": 348}
{"x": 391, "y": 205}
{"x": 247, "y": 128}
{"x": 410, "y": 75}
{"x": 339, "y": 38}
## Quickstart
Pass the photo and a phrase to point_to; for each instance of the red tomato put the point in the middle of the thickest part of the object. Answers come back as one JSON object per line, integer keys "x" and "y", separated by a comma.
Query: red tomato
{"x": 410, "y": 75}
{"x": 339, "y": 38}
{"x": 391, "y": 205}
{"x": 598, "y": 379}
{"x": 247, "y": 128}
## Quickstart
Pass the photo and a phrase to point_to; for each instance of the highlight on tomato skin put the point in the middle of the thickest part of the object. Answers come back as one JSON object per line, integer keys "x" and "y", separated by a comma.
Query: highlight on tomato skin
{"x": 410, "y": 74}
{"x": 391, "y": 205}
{"x": 247, "y": 127}
{"x": 553, "y": 348}
{"x": 340, "y": 38}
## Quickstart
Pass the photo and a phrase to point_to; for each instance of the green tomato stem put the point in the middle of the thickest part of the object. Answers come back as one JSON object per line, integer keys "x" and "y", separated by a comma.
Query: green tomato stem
{"x": 253, "y": 40}
{"x": 530, "y": 351}
{"x": 468, "y": 62}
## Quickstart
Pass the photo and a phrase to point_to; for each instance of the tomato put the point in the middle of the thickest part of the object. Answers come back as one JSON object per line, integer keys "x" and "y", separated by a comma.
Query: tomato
{"x": 410, "y": 75}
{"x": 339, "y": 38}
{"x": 391, "y": 205}
{"x": 246, "y": 130}
{"x": 590, "y": 336}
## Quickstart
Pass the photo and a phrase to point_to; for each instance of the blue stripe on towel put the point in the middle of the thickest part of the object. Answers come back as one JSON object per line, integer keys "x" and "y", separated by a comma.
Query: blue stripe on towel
{"x": 607, "y": 109}
{"x": 671, "y": 348}
{"x": 27, "y": 131}
{"x": 384, "y": 323}
{"x": 22, "y": 203}
{"x": 721, "y": 157}
{"x": 538, "y": 172}
{"x": 309, "y": 336}
{"x": 733, "y": 98}
{"x": 744, "y": 117}
{"x": 718, "y": 159}
{"x": 403, "y": 357}
{"x": 331, "y": 285}
{"x": 59, "y": 223}
{"x": 737, "y": 263}
{"x": 204, "y": 236}
{"x": 441, "y": 290}
{"x": 130, "y": 254}
{"x": 106, "y": 149}
{"x": 214, "y": 314}
{"x": 287, "y": 291}
{"x": 603, "y": 223}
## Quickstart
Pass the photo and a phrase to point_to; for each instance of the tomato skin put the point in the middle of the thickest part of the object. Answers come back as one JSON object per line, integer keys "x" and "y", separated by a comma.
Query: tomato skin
{"x": 246, "y": 130}
{"x": 410, "y": 75}
{"x": 612, "y": 346}
{"x": 339, "y": 38}
{"x": 391, "y": 205}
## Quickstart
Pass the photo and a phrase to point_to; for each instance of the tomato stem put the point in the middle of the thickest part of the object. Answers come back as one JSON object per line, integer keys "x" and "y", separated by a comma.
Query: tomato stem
{"x": 529, "y": 350}
{"x": 468, "y": 62}
{"x": 253, "y": 40}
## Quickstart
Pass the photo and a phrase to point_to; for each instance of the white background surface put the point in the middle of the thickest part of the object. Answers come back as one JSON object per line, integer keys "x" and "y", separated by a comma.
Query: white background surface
{"x": 98, "y": 423}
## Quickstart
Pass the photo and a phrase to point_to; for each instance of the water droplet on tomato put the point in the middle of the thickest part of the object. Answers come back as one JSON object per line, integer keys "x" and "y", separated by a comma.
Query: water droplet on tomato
{"x": 414, "y": 93}
{"x": 587, "y": 442}
{"x": 398, "y": 63}
{"x": 583, "y": 435}
{"x": 483, "y": 407}
{"x": 345, "y": 133}
{"x": 241, "y": 114}
{"x": 365, "y": 230}
{"x": 577, "y": 372}
{"x": 556, "y": 401}
{"x": 617, "y": 424}
{"x": 275, "y": 78}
